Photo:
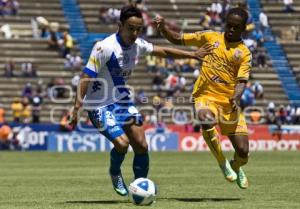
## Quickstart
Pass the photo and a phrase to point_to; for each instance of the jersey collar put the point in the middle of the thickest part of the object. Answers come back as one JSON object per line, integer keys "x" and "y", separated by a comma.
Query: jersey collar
{"x": 121, "y": 42}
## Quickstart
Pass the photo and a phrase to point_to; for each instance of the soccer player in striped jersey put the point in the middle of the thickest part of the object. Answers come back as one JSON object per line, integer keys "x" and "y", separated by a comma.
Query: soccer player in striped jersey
{"x": 106, "y": 97}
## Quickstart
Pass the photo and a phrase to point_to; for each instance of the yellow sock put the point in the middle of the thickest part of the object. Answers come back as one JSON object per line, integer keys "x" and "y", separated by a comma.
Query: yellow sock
{"x": 238, "y": 162}
{"x": 212, "y": 140}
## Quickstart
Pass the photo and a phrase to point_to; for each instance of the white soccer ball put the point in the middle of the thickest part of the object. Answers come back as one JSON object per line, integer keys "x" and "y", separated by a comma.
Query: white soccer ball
{"x": 142, "y": 191}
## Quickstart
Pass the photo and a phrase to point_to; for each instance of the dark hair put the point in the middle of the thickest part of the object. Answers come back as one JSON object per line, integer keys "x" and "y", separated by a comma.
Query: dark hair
{"x": 129, "y": 11}
{"x": 240, "y": 12}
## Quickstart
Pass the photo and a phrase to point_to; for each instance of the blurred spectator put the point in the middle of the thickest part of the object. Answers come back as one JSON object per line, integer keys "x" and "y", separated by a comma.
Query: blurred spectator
{"x": 27, "y": 110}
{"x": 180, "y": 117}
{"x": 288, "y": 6}
{"x": 258, "y": 90}
{"x": 258, "y": 37}
{"x": 225, "y": 9}
{"x": 140, "y": 97}
{"x": 261, "y": 58}
{"x": 149, "y": 27}
{"x": 290, "y": 34}
{"x": 205, "y": 19}
{"x": 263, "y": 22}
{"x": 281, "y": 114}
{"x": 53, "y": 40}
{"x": 64, "y": 122}
{"x": 250, "y": 43}
{"x": 9, "y": 7}
{"x": 9, "y": 68}
{"x": 27, "y": 90}
{"x": 168, "y": 104}
{"x": 73, "y": 62}
{"x": 216, "y": 7}
{"x": 59, "y": 83}
{"x": 255, "y": 116}
{"x": 171, "y": 84}
{"x": 289, "y": 114}
{"x": 2, "y": 114}
{"x": 16, "y": 108}
{"x": 75, "y": 81}
{"x": 181, "y": 82}
{"x": 296, "y": 119}
{"x": 103, "y": 15}
{"x": 271, "y": 113}
{"x": 151, "y": 64}
{"x": 36, "y": 102}
{"x": 28, "y": 70}
{"x": 114, "y": 15}
{"x": 67, "y": 44}
{"x": 40, "y": 88}
{"x": 6, "y": 31}
{"x": 51, "y": 92}
{"x": 158, "y": 82}
{"x": 141, "y": 5}
{"x": 42, "y": 24}
{"x": 5, "y": 134}
{"x": 157, "y": 101}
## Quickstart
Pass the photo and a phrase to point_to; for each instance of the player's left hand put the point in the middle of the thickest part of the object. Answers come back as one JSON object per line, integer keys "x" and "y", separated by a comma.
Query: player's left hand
{"x": 234, "y": 104}
{"x": 203, "y": 51}
{"x": 159, "y": 21}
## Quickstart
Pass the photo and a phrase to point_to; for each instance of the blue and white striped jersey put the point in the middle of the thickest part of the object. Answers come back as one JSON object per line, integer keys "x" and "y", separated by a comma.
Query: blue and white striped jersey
{"x": 110, "y": 65}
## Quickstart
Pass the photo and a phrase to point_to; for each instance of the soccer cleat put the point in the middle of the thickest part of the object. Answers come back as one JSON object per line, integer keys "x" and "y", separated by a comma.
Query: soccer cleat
{"x": 242, "y": 180}
{"x": 119, "y": 185}
{"x": 228, "y": 172}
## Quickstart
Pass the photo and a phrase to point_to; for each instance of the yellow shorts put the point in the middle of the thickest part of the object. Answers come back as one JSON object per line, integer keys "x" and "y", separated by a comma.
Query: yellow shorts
{"x": 230, "y": 122}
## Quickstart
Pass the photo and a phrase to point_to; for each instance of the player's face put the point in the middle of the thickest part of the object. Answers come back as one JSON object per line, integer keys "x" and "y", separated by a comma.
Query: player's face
{"x": 131, "y": 29}
{"x": 234, "y": 27}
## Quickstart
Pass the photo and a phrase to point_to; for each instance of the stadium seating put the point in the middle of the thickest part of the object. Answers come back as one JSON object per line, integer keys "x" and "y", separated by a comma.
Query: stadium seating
{"x": 174, "y": 10}
{"x": 50, "y": 65}
{"x": 27, "y": 49}
{"x": 282, "y": 22}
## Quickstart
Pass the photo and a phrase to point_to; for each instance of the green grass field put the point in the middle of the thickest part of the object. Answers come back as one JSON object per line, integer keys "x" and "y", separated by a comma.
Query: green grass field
{"x": 185, "y": 181}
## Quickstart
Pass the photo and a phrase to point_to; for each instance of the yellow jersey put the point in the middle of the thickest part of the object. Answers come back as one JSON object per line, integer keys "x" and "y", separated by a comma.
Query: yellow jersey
{"x": 221, "y": 70}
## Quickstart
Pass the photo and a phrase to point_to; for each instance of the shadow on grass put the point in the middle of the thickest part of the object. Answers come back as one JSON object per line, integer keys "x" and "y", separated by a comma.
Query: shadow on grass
{"x": 108, "y": 202}
{"x": 217, "y": 199}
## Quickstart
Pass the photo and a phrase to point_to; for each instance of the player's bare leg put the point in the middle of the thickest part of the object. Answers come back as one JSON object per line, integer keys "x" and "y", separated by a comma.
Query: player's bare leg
{"x": 138, "y": 142}
{"x": 241, "y": 146}
{"x": 117, "y": 156}
{"x": 210, "y": 135}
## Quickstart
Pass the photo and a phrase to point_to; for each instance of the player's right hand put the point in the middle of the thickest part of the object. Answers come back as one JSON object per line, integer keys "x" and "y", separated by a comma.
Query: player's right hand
{"x": 159, "y": 21}
{"x": 204, "y": 50}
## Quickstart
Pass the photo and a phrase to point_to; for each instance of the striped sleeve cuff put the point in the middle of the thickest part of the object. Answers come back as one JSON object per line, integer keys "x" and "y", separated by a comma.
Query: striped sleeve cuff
{"x": 89, "y": 72}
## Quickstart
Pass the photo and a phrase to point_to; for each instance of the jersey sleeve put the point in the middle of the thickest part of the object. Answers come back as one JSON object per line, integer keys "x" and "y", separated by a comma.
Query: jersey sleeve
{"x": 245, "y": 67}
{"x": 145, "y": 48}
{"x": 98, "y": 57}
{"x": 196, "y": 39}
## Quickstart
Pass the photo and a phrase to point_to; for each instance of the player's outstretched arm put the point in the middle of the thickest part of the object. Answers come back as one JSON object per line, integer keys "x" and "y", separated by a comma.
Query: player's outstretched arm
{"x": 181, "y": 54}
{"x": 170, "y": 35}
{"x": 81, "y": 91}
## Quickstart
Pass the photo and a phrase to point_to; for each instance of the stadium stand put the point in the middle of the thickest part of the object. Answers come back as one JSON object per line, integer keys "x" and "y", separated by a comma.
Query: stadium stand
{"x": 26, "y": 49}
{"x": 284, "y": 58}
{"x": 50, "y": 65}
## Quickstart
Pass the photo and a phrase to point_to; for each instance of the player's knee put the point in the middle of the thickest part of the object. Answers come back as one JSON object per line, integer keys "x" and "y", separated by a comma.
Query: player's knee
{"x": 121, "y": 145}
{"x": 207, "y": 119}
{"x": 243, "y": 151}
{"x": 142, "y": 148}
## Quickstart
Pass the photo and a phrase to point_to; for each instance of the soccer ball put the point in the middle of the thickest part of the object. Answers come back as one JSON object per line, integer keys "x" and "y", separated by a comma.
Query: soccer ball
{"x": 142, "y": 191}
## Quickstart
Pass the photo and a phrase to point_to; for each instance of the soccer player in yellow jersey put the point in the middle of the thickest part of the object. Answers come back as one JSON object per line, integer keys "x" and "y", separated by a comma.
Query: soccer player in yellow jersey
{"x": 219, "y": 87}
